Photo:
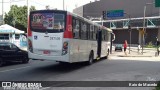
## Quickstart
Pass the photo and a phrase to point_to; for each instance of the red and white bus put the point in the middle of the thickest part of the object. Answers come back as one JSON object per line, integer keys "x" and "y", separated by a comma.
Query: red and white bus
{"x": 66, "y": 37}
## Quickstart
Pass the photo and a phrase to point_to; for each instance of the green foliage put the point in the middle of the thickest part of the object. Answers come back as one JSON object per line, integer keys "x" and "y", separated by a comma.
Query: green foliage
{"x": 17, "y": 16}
{"x": 158, "y": 86}
{"x": 150, "y": 45}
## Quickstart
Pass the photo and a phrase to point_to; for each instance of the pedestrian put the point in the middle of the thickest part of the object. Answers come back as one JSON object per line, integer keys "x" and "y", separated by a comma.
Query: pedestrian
{"x": 158, "y": 46}
{"x": 125, "y": 47}
{"x": 139, "y": 47}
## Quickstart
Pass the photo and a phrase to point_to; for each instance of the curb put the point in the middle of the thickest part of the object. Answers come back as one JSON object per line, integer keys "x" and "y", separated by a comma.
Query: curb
{"x": 132, "y": 56}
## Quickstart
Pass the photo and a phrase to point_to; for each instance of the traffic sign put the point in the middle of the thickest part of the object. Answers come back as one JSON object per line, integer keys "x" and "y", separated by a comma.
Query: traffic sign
{"x": 157, "y": 3}
{"x": 115, "y": 13}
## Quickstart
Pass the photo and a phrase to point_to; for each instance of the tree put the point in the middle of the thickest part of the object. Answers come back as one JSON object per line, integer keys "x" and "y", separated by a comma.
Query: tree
{"x": 17, "y": 17}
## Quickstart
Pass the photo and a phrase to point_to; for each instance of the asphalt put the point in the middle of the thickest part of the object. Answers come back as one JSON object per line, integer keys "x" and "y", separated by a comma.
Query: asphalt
{"x": 128, "y": 68}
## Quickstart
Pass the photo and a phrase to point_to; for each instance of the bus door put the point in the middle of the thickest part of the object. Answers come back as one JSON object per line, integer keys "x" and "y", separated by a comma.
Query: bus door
{"x": 99, "y": 42}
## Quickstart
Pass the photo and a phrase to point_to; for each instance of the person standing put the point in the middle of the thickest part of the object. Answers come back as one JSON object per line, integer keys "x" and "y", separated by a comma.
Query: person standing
{"x": 125, "y": 46}
{"x": 139, "y": 47}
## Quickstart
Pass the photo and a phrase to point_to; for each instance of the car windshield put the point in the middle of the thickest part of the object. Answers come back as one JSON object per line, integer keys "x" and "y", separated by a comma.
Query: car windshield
{"x": 119, "y": 45}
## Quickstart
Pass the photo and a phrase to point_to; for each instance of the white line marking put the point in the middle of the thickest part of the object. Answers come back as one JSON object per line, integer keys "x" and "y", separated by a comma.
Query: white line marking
{"x": 15, "y": 69}
{"x": 45, "y": 88}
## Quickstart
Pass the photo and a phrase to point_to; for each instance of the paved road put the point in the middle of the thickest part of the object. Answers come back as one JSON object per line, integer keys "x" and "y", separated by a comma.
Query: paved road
{"x": 114, "y": 69}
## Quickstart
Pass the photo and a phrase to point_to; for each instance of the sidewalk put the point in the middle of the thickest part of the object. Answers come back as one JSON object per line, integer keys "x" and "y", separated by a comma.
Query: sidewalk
{"x": 147, "y": 52}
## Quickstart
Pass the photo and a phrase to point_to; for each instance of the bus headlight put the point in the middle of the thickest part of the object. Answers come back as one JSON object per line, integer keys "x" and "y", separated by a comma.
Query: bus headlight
{"x": 65, "y": 48}
{"x": 30, "y": 48}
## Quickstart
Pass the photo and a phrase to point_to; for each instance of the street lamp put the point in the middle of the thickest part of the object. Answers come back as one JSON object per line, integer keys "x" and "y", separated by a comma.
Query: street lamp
{"x": 63, "y": 4}
{"x": 130, "y": 30}
{"x": 144, "y": 24}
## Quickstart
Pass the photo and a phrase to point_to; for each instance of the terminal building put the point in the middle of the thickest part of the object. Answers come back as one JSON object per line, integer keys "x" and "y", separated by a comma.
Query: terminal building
{"x": 135, "y": 13}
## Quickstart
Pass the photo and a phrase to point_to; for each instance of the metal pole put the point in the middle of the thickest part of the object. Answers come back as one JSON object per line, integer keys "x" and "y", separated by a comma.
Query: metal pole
{"x": 10, "y": 4}
{"x": 2, "y": 13}
{"x": 28, "y": 9}
{"x": 130, "y": 42}
{"x": 27, "y": 13}
{"x": 102, "y": 20}
{"x": 63, "y": 4}
{"x": 144, "y": 24}
{"x": 129, "y": 34}
{"x": 143, "y": 28}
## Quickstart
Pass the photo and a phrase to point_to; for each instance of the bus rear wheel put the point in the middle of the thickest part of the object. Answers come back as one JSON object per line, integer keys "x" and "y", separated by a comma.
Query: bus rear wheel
{"x": 91, "y": 58}
{"x": 107, "y": 54}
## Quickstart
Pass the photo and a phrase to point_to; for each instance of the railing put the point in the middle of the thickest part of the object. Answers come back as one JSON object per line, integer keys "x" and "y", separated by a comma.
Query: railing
{"x": 150, "y": 22}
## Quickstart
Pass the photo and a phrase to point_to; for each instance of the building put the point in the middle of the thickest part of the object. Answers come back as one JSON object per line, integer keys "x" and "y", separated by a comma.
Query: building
{"x": 13, "y": 35}
{"x": 133, "y": 9}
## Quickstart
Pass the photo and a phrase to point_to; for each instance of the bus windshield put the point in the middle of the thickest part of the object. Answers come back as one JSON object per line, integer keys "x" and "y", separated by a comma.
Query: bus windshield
{"x": 47, "y": 21}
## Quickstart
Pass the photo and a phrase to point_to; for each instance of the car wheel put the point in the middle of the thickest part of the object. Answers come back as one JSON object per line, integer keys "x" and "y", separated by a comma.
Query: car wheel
{"x": 1, "y": 62}
{"x": 25, "y": 60}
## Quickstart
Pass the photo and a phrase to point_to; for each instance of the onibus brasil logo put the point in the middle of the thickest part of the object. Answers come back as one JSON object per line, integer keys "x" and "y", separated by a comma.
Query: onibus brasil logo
{"x": 20, "y": 86}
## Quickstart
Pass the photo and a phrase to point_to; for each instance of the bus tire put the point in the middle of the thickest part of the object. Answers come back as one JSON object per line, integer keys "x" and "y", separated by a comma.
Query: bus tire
{"x": 107, "y": 54}
{"x": 25, "y": 59}
{"x": 91, "y": 58}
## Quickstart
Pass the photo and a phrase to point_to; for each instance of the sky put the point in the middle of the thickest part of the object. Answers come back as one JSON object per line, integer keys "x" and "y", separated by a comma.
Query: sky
{"x": 41, "y": 4}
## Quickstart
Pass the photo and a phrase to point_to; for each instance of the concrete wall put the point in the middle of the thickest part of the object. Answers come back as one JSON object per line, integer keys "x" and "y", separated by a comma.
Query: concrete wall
{"x": 151, "y": 35}
{"x": 79, "y": 11}
{"x": 122, "y": 35}
{"x": 133, "y": 7}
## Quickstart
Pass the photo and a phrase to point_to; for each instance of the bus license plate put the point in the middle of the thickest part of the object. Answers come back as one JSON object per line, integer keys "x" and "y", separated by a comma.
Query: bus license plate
{"x": 46, "y": 52}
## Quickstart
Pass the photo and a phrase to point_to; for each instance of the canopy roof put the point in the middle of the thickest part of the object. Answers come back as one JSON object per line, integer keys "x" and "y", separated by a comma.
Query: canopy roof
{"x": 9, "y": 29}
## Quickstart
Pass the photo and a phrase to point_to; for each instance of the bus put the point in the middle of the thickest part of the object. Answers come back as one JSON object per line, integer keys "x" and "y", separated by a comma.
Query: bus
{"x": 62, "y": 36}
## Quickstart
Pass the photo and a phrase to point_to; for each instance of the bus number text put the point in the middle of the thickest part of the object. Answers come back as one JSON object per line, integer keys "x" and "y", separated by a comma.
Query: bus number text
{"x": 54, "y": 38}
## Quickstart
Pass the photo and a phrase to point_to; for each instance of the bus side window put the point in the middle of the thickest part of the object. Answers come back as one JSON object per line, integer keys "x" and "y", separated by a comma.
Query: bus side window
{"x": 105, "y": 36}
{"x": 91, "y": 32}
{"x": 83, "y": 31}
{"x": 75, "y": 28}
{"x": 88, "y": 31}
{"x": 109, "y": 36}
{"x": 95, "y": 32}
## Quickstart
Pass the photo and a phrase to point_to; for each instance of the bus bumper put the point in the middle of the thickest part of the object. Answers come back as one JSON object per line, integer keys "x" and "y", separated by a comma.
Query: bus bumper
{"x": 64, "y": 58}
